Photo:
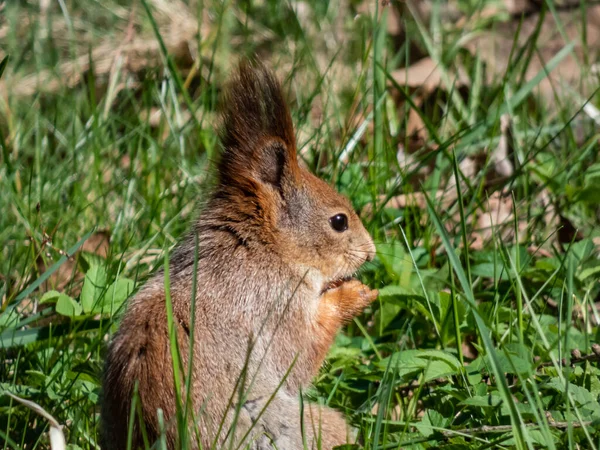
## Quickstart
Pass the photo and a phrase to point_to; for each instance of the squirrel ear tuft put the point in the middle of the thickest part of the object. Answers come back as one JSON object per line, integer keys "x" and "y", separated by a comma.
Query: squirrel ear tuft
{"x": 257, "y": 131}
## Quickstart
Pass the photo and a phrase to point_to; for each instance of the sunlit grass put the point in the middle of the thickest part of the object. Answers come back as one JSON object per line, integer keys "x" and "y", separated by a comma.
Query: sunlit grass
{"x": 470, "y": 342}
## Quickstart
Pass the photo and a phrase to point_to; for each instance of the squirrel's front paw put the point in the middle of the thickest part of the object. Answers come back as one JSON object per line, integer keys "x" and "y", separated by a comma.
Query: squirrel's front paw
{"x": 351, "y": 297}
{"x": 357, "y": 292}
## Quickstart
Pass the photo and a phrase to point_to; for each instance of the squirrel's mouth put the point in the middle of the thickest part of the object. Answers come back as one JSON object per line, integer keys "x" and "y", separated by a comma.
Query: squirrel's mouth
{"x": 335, "y": 283}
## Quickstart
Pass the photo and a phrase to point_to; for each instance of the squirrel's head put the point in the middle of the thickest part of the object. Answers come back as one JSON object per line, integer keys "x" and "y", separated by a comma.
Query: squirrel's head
{"x": 267, "y": 199}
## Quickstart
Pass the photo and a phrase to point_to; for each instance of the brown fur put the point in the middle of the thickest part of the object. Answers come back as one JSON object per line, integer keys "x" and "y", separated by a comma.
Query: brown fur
{"x": 266, "y": 255}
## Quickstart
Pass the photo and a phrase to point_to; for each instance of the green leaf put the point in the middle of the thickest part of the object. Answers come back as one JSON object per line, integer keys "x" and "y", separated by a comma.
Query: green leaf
{"x": 50, "y": 297}
{"x": 584, "y": 398}
{"x": 433, "y": 363}
{"x": 474, "y": 371}
{"x": 393, "y": 257}
{"x": 515, "y": 359}
{"x": 483, "y": 401}
{"x": 589, "y": 194}
{"x": 91, "y": 259}
{"x": 9, "y": 319}
{"x": 490, "y": 270}
{"x": 18, "y": 389}
{"x": 583, "y": 249}
{"x": 37, "y": 378}
{"x": 432, "y": 420}
{"x": 393, "y": 299}
{"x": 67, "y": 306}
{"x": 343, "y": 352}
{"x": 115, "y": 296}
{"x": 93, "y": 286}
{"x": 586, "y": 273}
{"x": 399, "y": 293}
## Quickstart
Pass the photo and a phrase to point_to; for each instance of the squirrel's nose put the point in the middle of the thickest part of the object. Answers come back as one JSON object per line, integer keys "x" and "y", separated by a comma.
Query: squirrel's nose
{"x": 371, "y": 250}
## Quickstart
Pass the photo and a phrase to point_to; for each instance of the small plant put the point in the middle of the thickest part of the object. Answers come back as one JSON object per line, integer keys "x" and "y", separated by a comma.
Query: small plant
{"x": 97, "y": 298}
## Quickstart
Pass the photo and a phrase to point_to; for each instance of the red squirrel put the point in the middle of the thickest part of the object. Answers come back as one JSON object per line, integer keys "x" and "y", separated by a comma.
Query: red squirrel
{"x": 276, "y": 250}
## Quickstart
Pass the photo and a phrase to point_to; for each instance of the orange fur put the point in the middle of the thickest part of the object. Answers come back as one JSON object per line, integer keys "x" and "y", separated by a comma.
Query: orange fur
{"x": 264, "y": 315}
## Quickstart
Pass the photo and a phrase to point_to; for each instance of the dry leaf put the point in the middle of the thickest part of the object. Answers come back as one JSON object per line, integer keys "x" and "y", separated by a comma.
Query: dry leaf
{"x": 539, "y": 251}
{"x": 500, "y": 156}
{"x": 476, "y": 242}
{"x": 468, "y": 168}
{"x": 409, "y": 165}
{"x": 395, "y": 27}
{"x": 427, "y": 75}
{"x": 499, "y": 213}
{"x": 98, "y": 243}
{"x": 517, "y": 6}
{"x": 495, "y": 48}
{"x": 415, "y": 125}
{"x": 179, "y": 29}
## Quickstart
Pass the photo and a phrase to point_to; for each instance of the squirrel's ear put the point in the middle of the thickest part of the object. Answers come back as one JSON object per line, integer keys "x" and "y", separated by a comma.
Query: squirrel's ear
{"x": 274, "y": 163}
{"x": 257, "y": 134}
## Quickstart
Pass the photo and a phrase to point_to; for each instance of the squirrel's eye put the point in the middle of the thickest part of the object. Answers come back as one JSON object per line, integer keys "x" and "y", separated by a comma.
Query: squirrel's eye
{"x": 339, "y": 222}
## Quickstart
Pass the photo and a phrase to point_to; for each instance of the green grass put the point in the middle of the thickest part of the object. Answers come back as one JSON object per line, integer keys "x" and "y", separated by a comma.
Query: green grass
{"x": 469, "y": 346}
